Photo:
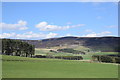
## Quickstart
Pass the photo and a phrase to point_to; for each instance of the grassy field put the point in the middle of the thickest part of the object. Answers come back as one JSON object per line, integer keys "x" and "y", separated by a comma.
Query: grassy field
{"x": 46, "y": 51}
{"x": 21, "y": 67}
{"x": 88, "y": 56}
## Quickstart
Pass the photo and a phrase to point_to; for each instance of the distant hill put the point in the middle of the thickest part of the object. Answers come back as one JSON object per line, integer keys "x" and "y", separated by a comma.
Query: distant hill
{"x": 104, "y": 44}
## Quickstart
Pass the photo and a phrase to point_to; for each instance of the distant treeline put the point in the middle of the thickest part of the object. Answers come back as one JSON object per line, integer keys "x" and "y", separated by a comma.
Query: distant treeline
{"x": 70, "y": 50}
{"x": 17, "y": 48}
{"x": 60, "y": 57}
{"x": 114, "y": 58}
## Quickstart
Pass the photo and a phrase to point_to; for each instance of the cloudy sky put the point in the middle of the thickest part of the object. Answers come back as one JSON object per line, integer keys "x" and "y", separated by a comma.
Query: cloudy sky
{"x": 40, "y": 20}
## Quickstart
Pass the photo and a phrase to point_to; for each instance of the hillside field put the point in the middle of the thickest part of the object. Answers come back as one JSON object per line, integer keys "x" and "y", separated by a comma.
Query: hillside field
{"x": 22, "y": 67}
{"x": 87, "y": 56}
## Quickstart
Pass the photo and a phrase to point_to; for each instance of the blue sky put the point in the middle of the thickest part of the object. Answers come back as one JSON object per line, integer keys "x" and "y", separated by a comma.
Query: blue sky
{"x": 40, "y": 20}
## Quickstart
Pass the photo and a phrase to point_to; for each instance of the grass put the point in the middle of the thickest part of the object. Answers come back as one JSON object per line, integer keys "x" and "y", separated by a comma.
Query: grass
{"x": 41, "y": 51}
{"x": 46, "y": 51}
{"x": 14, "y": 67}
{"x": 105, "y": 53}
{"x": 88, "y": 56}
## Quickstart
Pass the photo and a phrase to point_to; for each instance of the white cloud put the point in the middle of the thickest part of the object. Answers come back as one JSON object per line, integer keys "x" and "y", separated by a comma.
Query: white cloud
{"x": 44, "y": 26}
{"x": 28, "y": 35}
{"x": 51, "y": 35}
{"x": 68, "y": 34}
{"x": 21, "y": 25}
{"x": 7, "y": 35}
{"x": 93, "y": 34}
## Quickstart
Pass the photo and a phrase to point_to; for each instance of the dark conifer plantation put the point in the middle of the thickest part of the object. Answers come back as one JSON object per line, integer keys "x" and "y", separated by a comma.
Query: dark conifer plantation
{"x": 17, "y": 48}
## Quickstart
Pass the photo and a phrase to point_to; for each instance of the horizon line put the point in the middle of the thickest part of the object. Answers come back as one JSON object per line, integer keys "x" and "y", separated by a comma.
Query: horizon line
{"x": 63, "y": 37}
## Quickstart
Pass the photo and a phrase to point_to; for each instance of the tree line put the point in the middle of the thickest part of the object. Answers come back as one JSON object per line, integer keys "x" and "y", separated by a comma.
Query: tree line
{"x": 59, "y": 57}
{"x": 70, "y": 50}
{"x": 17, "y": 48}
{"x": 114, "y": 58}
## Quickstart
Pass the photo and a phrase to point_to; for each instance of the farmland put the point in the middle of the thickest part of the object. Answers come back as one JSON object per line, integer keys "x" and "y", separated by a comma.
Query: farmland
{"x": 16, "y": 62}
{"x": 22, "y": 67}
{"x": 87, "y": 56}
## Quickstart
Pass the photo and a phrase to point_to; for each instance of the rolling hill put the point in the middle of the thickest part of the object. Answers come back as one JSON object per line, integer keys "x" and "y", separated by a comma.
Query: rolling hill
{"x": 104, "y": 44}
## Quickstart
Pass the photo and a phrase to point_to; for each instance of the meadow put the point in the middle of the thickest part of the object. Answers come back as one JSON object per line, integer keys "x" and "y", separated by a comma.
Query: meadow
{"x": 87, "y": 56}
{"x": 22, "y": 67}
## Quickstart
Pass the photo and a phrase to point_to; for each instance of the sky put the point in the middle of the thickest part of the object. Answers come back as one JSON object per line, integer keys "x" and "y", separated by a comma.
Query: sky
{"x": 41, "y": 20}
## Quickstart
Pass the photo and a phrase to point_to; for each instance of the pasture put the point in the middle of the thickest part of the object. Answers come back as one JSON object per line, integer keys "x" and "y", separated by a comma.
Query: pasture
{"x": 87, "y": 56}
{"x": 22, "y": 67}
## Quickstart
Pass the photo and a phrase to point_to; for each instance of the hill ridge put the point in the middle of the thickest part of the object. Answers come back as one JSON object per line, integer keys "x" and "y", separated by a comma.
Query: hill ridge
{"x": 96, "y": 43}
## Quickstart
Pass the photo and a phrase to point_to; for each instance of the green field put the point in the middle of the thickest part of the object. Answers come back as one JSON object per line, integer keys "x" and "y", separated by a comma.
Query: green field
{"x": 21, "y": 67}
{"x": 87, "y": 56}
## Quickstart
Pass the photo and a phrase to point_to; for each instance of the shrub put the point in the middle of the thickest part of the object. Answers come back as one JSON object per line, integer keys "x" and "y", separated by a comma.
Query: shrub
{"x": 107, "y": 58}
{"x": 117, "y": 59}
{"x": 70, "y": 57}
{"x": 53, "y": 51}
